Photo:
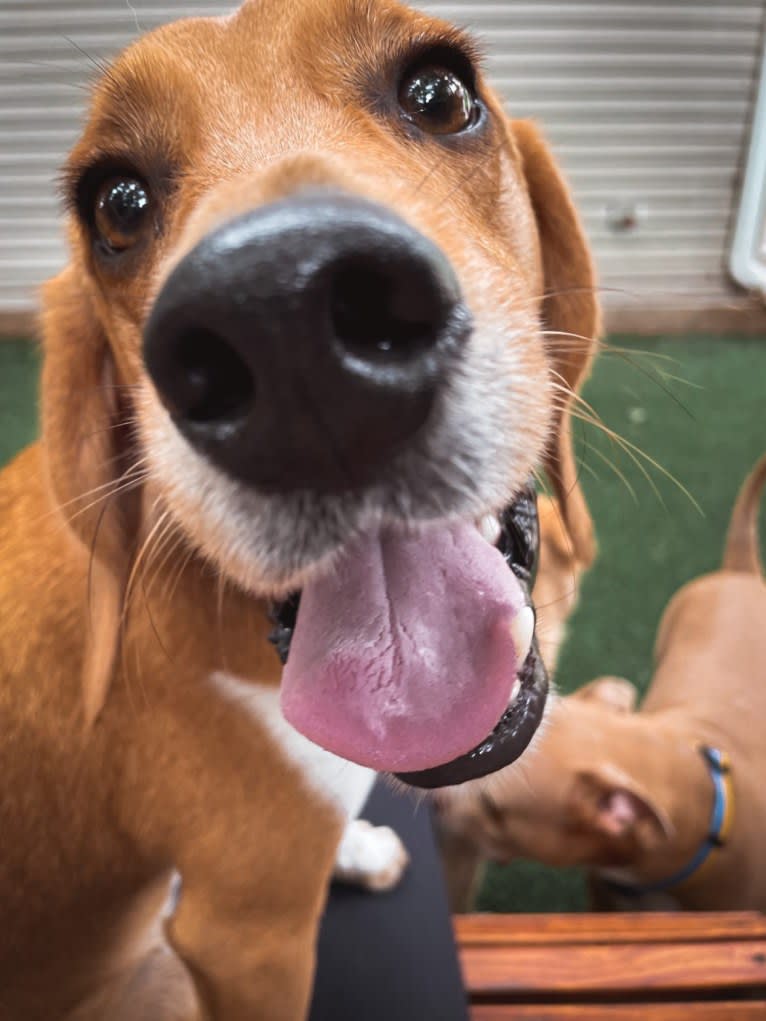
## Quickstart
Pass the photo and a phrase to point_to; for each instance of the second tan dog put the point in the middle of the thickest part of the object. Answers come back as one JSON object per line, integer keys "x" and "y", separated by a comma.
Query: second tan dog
{"x": 666, "y": 804}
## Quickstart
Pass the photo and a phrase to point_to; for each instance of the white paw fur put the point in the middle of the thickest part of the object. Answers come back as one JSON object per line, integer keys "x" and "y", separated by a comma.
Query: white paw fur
{"x": 372, "y": 857}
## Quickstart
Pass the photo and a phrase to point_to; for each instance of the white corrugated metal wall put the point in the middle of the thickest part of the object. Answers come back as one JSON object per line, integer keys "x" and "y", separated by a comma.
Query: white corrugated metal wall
{"x": 647, "y": 105}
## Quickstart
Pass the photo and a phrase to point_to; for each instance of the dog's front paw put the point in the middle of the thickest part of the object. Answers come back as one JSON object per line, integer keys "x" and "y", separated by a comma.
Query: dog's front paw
{"x": 370, "y": 856}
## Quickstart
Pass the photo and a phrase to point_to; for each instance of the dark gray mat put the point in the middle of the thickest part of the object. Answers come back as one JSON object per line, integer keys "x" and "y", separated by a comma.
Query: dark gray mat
{"x": 392, "y": 956}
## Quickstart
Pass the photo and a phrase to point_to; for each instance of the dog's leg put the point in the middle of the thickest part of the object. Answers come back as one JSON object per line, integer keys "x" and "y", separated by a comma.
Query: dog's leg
{"x": 246, "y": 820}
{"x": 464, "y": 867}
{"x": 155, "y": 987}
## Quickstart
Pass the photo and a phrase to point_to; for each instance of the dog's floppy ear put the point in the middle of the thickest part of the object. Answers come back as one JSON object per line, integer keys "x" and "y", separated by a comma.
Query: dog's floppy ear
{"x": 570, "y": 315}
{"x": 82, "y": 431}
{"x": 614, "y": 805}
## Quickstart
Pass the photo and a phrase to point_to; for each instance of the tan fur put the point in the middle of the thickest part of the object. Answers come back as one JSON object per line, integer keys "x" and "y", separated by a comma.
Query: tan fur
{"x": 121, "y": 758}
{"x": 627, "y": 793}
{"x": 559, "y": 572}
{"x": 741, "y": 552}
{"x": 571, "y": 318}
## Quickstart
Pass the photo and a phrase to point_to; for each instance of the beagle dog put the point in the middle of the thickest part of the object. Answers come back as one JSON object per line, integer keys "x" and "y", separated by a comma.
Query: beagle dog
{"x": 325, "y": 312}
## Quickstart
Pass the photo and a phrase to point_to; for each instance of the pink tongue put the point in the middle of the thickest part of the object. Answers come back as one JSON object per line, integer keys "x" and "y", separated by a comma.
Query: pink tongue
{"x": 402, "y": 656}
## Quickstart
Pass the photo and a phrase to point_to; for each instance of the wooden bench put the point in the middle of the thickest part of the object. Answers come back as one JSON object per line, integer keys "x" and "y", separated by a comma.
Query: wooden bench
{"x": 705, "y": 966}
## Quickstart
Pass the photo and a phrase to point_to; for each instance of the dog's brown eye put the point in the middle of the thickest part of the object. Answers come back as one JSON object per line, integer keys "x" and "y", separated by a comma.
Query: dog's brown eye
{"x": 122, "y": 212}
{"x": 437, "y": 100}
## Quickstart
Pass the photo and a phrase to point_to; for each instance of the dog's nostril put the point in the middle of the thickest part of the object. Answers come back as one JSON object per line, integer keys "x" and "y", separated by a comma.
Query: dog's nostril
{"x": 213, "y": 383}
{"x": 382, "y": 314}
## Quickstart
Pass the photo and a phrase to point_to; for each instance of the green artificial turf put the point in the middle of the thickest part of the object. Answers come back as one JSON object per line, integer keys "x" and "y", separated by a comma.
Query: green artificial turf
{"x": 18, "y": 395}
{"x": 696, "y": 406}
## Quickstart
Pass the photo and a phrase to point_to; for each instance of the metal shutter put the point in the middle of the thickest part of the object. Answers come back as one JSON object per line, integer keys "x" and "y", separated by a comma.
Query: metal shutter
{"x": 647, "y": 107}
{"x": 646, "y": 104}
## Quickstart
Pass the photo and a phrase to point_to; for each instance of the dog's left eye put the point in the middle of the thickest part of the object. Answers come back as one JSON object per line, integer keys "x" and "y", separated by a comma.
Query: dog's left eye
{"x": 121, "y": 213}
{"x": 437, "y": 100}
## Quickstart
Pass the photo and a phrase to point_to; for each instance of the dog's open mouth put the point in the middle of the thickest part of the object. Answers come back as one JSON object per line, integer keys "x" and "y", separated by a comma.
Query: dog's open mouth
{"x": 416, "y": 655}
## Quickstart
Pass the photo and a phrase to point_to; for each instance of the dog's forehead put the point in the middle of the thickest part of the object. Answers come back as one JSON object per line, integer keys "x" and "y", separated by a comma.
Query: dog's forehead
{"x": 268, "y": 49}
{"x": 320, "y": 23}
{"x": 268, "y": 70}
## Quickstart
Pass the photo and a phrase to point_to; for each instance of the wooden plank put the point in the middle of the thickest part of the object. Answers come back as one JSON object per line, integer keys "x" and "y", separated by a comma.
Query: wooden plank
{"x": 647, "y": 318}
{"x": 674, "y": 968}
{"x": 17, "y": 325}
{"x": 650, "y": 927}
{"x": 730, "y": 1010}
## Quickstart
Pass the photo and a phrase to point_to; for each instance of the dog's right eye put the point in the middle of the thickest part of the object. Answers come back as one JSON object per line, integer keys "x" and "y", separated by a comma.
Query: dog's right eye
{"x": 438, "y": 100}
{"x": 122, "y": 212}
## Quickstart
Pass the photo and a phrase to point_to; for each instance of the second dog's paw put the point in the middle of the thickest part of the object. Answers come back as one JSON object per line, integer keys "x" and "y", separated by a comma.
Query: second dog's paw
{"x": 370, "y": 856}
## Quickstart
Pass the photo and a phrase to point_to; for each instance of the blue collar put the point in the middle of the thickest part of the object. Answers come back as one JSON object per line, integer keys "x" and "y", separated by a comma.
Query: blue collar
{"x": 721, "y": 821}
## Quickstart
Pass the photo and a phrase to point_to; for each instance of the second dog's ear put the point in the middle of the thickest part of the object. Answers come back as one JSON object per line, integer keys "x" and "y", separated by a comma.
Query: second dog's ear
{"x": 82, "y": 430}
{"x": 611, "y": 802}
{"x": 570, "y": 318}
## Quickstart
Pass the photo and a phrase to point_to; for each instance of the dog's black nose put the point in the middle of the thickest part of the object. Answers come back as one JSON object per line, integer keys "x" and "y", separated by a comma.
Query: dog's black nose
{"x": 301, "y": 346}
